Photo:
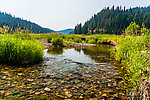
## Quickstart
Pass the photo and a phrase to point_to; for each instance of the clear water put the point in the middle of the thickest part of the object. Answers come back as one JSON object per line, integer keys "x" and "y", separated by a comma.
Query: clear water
{"x": 70, "y": 73}
{"x": 93, "y": 55}
{"x": 74, "y": 55}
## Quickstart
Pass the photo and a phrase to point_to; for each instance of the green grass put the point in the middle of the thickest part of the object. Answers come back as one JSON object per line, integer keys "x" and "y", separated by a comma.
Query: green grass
{"x": 17, "y": 50}
{"x": 132, "y": 54}
{"x": 58, "y": 41}
{"x": 94, "y": 39}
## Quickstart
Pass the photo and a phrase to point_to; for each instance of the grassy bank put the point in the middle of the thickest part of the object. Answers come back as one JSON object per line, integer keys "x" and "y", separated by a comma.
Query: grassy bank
{"x": 20, "y": 49}
{"x": 24, "y": 48}
{"x": 68, "y": 39}
{"x": 133, "y": 52}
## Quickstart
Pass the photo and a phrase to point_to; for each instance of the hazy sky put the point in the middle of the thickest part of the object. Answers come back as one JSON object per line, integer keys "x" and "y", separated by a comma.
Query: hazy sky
{"x": 61, "y": 14}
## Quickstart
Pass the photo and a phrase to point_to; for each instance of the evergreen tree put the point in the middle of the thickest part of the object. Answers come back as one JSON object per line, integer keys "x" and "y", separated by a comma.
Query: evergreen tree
{"x": 79, "y": 30}
{"x": 115, "y": 21}
{"x": 85, "y": 29}
{"x": 75, "y": 30}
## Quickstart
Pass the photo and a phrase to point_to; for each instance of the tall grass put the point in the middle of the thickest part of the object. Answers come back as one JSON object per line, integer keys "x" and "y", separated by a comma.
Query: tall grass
{"x": 57, "y": 42}
{"x": 18, "y": 49}
{"x": 91, "y": 39}
{"x": 133, "y": 54}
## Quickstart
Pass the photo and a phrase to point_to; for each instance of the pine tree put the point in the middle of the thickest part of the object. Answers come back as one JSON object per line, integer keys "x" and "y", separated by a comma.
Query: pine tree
{"x": 114, "y": 21}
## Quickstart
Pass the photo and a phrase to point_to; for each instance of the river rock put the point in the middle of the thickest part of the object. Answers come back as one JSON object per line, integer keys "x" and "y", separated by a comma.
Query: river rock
{"x": 47, "y": 89}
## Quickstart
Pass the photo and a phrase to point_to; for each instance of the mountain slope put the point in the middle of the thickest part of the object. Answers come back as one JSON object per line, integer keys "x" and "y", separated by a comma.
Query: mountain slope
{"x": 115, "y": 21}
{"x": 13, "y": 22}
{"x": 66, "y": 31}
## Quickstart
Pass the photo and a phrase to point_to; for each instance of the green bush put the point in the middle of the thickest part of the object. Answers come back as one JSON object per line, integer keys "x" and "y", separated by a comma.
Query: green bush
{"x": 87, "y": 40}
{"x": 83, "y": 42}
{"x": 17, "y": 51}
{"x": 49, "y": 39}
{"x": 133, "y": 29}
{"x": 92, "y": 41}
{"x": 99, "y": 41}
{"x": 78, "y": 40}
{"x": 57, "y": 42}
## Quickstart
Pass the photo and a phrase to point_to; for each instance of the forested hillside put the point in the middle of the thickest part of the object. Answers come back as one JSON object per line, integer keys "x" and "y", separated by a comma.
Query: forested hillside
{"x": 13, "y": 23}
{"x": 114, "y": 20}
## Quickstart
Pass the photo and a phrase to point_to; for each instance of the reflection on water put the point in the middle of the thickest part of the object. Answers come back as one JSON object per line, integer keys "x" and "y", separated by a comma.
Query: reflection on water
{"x": 94, "y": 54}
{"x": 55, "y": 51}
{"x": 89, "y": 72}
{"x": 100, "y": 53}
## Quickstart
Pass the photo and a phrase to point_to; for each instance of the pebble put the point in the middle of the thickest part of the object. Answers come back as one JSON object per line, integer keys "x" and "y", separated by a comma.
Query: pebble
{"x": 47, "y": 89}
{"x": 67, "y": 78}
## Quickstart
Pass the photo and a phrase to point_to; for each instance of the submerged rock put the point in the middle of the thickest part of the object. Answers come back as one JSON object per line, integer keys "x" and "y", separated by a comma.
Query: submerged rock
{"x": 47, "y": 89}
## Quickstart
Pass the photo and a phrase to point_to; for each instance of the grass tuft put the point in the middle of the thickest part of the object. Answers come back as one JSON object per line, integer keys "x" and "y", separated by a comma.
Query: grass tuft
{"x": 15, "y": 50}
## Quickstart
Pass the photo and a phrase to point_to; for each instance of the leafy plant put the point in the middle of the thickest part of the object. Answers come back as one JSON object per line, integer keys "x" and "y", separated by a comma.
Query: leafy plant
{"x": 49, "y": 39}
{"x": 92, "y": 41}
{"x": 16, "y": 49}
{"x": 78, "y": 40}
{"x": 133, "y": 54}
{"x": 133, "y": 29}
{"x": 57, "y": 42}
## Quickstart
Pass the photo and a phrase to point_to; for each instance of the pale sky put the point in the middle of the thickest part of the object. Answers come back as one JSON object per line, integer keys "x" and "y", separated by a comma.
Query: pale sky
{"x": 62, "y": 14}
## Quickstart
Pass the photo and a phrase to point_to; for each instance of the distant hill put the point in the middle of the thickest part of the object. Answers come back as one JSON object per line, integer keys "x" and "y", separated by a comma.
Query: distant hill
{"x": 13, "y": 22}
{"x": 114, "y": 20}
{"x": 66, "y": 31}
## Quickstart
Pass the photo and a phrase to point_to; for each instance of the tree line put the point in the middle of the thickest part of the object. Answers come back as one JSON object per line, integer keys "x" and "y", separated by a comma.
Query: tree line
{"x": 114, "y": 20}
{"x": 13, "y": 23}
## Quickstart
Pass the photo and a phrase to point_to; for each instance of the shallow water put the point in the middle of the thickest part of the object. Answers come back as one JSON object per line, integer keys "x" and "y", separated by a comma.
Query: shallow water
{"x": 72, "y": 54}
{"x": 69, "y": 73}
{"x": 94, "y": 54}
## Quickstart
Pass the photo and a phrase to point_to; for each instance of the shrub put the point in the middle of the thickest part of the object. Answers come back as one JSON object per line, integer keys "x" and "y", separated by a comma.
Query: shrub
{"x": 57, "y": 42}
{"x": 86, "y": 40}
{"x": 99, "y": 41}
{"x": 83, "y": 42}
{"x": 49, "y": 39}
{"x": 92, "y": 41}
{"x": 133, "y": 29}
{"x": 78, "y": 40}
{"x": 17, "y": 51}
{"x": 134, "y": 60}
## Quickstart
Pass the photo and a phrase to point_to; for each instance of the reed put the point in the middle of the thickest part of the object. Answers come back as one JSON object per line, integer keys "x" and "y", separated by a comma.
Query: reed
{"x": 18, "y": 50}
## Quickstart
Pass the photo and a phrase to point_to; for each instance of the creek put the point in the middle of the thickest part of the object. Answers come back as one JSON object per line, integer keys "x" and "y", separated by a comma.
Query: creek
{"x": 68, "y": 73}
